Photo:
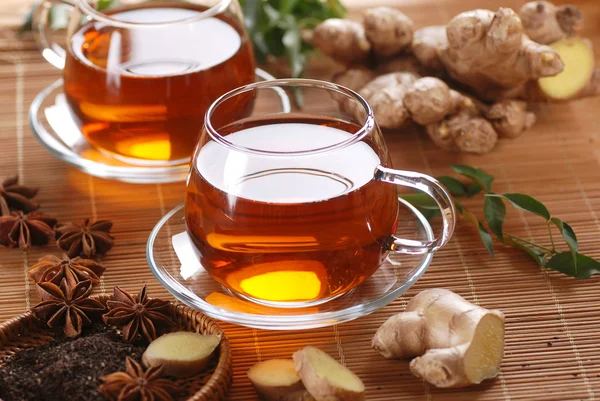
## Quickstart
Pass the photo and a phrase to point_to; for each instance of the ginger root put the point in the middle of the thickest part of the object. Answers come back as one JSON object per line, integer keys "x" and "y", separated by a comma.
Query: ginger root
{"x": 558, "y": 26}
{"x": 455, "y": 343}
{"x": 466, "y": 132}
{"x": 277, "y": 380}
{"x": 510, "y": 118}
{"x": 389, "y": 30}
{"x": 342, "y": 40}
{"x": 427, "y": 44}
{"x": 181, "y": 353}
{"x": 489, "y": 53}
{"x": 355, "y": 79}
{"x": 325, "y": 378}
{"x": 546, "y": 23}
{"x": 453, "y": 120}
{"x": 429, "y": 100}
{"x": 385, "y": 94}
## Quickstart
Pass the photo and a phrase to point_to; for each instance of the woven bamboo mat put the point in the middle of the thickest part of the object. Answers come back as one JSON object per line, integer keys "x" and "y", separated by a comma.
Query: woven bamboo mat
{"x": 553, "y": 322}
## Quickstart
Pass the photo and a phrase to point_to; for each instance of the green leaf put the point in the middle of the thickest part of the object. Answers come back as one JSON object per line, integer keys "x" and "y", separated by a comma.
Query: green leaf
{"x": 526, "y": 203}
{"x": 292, "y": 41}
{"x": 484, "y": 235}
{"x": 535, "y": 254}
{"x": 421, "y": 200}
{"x": 494, "y": 212}
{"x": 104, "y": 4}
{"x": 287, "y": 6}
{"x": 483, "y": 179}
{"x": 454, "y": 186}
{"x": 568, "y": 235}
{"x": 581, "y": 268}
{"x": 251, "y": 14}
{"x": 28, "y": 24}
{"x": 474, "y": 189}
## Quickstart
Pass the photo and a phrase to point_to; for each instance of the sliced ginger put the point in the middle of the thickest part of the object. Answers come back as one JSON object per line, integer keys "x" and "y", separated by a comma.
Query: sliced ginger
{"x": 578, "y": 58}
{"x": 325, "y": 378}
{"x": 277, "y": 380}
{"x": 455, "y": 343}
{"x": 181, "y": 353}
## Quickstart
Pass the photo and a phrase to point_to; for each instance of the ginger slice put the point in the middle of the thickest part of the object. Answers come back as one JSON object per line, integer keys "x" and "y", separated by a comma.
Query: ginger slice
{"x": 181, "y": 353}
{"x": 325, "y": 378}
{"x": 456, "y": 343}
{"x": 277, "y": 380}
{"x": 578, "y": 59}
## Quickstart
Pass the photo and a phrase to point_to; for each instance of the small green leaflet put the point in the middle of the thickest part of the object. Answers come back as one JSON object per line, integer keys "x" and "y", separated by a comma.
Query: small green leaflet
{"x": 454, "y": 186}
{"x": 104, "y": 4}
{"x": 568, "y": 235}
{"x": 526, "y": 203}
{"x": 581, "y": 268}
{"x": 494, "y": 212}
{"x": 485, "y": 236}
{"x": 483, "y": 179}
{"x": 421, "y": 200}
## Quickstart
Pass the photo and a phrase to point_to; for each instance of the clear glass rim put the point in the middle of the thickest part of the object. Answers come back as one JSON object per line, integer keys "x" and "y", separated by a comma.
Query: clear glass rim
{"x": 216, "y": 9}
{"x": 367, "y": 126}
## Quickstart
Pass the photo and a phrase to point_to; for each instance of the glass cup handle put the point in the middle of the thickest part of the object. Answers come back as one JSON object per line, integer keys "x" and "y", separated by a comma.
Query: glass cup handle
{"x": 431, "y": 187}
{"x": 52, "y": 52}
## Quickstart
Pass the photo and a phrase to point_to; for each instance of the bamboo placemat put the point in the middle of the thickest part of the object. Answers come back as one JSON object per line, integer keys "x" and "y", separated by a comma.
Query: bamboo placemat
{"x": 553, "y": 322}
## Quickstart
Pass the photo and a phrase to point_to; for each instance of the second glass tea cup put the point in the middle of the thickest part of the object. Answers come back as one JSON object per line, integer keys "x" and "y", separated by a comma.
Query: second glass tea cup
{"x": 139, "y": 77}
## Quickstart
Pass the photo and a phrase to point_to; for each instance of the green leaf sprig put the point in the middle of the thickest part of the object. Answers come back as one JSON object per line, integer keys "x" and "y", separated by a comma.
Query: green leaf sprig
{"x": 276, "y": 27}
{"x": 571, "y": 263}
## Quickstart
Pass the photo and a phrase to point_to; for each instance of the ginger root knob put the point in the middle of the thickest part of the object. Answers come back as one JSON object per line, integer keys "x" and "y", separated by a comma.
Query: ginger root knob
{"x": 455, "y": 343}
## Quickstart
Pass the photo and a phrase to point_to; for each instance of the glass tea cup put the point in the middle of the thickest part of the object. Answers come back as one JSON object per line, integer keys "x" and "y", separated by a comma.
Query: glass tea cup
{"x": 292, "y": 209}
{"x": 140, "y": 76}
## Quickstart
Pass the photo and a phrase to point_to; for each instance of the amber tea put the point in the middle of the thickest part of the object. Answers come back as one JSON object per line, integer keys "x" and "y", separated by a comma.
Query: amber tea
{"x": 141, "y": 93}
{"x": 290, "y": 228}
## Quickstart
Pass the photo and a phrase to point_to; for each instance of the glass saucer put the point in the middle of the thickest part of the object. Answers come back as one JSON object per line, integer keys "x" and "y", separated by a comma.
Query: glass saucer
{"x": 53, "y": 126}
{"x": 175, "y": 263}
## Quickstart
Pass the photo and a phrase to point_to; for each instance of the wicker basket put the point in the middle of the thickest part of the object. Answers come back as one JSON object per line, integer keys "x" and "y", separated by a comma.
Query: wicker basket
{"x": 25, "y": 331}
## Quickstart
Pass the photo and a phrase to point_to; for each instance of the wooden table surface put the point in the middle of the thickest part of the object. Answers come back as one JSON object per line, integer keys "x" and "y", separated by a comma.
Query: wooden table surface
{"x": 553, "y": 322}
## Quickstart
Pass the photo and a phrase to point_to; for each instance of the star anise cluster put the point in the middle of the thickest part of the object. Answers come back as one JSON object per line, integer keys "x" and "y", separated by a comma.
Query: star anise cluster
{"x": 26, "y": 230}
{"x": 53, "y": 269}
{"x": 138, "y": 316}
{"x": 85, "y": 239}
{"x": 67, "y": 307}
{"x": 20, "y": 225}
{"x": 16, "y": 197}
{"x": 137, "y": 384}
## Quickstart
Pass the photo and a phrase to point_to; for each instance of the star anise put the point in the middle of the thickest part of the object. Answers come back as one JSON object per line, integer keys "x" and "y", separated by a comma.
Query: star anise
{"x": 85, "y": 239}
{"x": 139, "y": 315}
{"x": 25, "y": 230}
{"x": 67, "y": 307}
{"x": 54, "y": 270}
{"x": 135, "y": 384}
{"x": 16, "y": 197}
